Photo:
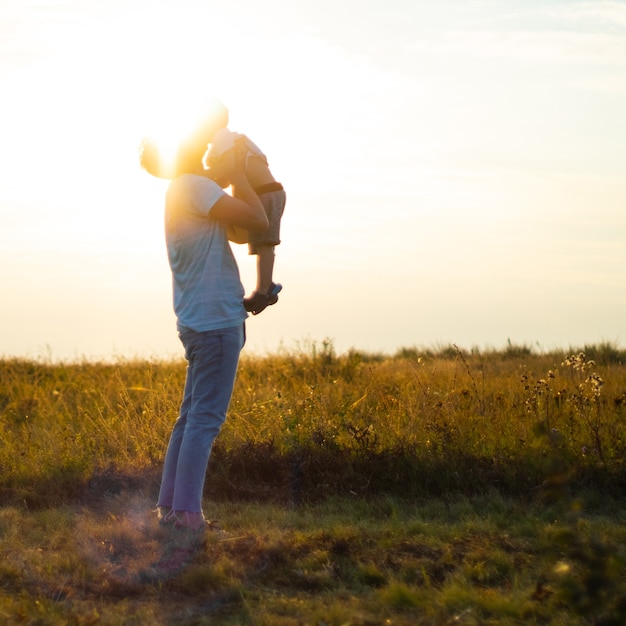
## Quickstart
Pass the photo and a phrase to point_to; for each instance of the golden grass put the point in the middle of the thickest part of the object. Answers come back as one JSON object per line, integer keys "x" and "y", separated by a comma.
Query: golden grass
{"x": 303, "y": 424}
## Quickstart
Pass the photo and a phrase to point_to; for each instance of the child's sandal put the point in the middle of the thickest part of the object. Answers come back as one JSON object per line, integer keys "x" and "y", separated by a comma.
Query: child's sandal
{"x": 258, "y": 302}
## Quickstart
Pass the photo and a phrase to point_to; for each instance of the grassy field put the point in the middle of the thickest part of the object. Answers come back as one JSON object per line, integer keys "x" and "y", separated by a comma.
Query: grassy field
{"x": 428, "y": 487}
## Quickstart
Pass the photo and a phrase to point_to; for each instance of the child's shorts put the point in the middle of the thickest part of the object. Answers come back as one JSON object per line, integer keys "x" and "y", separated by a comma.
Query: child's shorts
{"x": 273, "y": 198}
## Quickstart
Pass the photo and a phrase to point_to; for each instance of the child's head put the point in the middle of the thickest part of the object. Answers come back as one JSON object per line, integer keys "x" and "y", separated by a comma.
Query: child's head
{"x": 222, "y": 170}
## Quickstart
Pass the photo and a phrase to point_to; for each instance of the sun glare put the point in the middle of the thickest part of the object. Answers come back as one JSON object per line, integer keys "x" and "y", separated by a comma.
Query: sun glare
{"x": 155, "y": 82}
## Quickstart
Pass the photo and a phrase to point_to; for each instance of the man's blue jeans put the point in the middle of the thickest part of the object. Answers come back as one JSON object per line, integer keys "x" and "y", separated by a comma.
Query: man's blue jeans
{"x": 212, "y": 359}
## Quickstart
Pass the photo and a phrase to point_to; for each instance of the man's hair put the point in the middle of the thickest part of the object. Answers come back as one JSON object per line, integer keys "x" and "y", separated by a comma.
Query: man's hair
{"x": 151, "y": 161}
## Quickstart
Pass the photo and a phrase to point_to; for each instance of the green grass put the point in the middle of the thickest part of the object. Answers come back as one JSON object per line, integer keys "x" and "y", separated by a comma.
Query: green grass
{"x": 429, "y": 487}
{"x": 481, "y": 560}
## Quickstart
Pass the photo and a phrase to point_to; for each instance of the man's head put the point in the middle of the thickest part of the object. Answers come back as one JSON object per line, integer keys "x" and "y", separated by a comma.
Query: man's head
{"x": 192, "y": 149}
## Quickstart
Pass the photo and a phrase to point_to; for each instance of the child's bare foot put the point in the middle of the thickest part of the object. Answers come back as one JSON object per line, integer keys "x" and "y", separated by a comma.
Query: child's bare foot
{"x": 258, "y": 302}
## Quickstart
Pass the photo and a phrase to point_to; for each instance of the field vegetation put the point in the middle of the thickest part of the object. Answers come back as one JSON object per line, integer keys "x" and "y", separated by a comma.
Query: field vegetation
{"x": 433, "y": 486}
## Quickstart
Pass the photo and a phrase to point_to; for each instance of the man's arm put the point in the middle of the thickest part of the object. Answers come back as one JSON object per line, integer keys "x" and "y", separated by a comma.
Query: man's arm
{"x": 244, "y": 209}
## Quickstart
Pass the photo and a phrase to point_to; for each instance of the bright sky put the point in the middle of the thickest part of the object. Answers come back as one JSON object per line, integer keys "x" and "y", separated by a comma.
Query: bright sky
{"x": 455, "y": 171}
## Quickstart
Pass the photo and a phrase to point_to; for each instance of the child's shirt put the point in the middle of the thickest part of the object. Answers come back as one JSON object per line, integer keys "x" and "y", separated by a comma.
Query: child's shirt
{"x": 225, "y": 140}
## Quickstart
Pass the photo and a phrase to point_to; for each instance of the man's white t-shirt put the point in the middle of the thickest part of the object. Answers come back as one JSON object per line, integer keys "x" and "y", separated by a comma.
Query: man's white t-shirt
{"x": 207, "y": 288}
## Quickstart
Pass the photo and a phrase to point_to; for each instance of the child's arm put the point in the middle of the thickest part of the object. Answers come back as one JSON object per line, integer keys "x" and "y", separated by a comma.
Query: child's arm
{"x": 238, "y": 153}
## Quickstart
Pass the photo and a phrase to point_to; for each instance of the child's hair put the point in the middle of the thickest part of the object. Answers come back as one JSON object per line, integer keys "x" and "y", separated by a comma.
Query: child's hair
{"x": 191, "y": 148}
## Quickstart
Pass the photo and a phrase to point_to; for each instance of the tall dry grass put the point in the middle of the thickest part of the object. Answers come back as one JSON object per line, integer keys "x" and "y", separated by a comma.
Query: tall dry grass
{"x": 308, "y": 423}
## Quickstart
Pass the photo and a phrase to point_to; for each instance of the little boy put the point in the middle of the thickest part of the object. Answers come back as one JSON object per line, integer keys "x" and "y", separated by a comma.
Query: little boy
{"x": 226, "y": 144}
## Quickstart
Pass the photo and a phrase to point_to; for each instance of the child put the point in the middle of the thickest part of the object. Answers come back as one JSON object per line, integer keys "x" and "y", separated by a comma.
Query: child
{"x": 224, "y": 145}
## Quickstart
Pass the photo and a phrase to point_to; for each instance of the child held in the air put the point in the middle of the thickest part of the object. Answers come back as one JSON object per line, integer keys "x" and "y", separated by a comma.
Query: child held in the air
{"x": 225, "y": 145}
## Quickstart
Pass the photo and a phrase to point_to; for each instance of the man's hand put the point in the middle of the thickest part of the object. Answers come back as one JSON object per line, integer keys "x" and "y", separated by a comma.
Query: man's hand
{"x": 237, "y": 234}
{"x": 222, "y": 170}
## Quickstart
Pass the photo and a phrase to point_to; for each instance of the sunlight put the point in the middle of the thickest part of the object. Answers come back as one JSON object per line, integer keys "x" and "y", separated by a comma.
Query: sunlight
{"x": 231, "y": 63}
{"x": 157, "y": 80}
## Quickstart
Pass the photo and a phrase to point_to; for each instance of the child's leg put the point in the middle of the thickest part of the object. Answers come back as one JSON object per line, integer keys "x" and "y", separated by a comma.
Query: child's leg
{"x": 262, "y": 244}
{"x": 266, "y": 292}
{"x": 264, "y": 268}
